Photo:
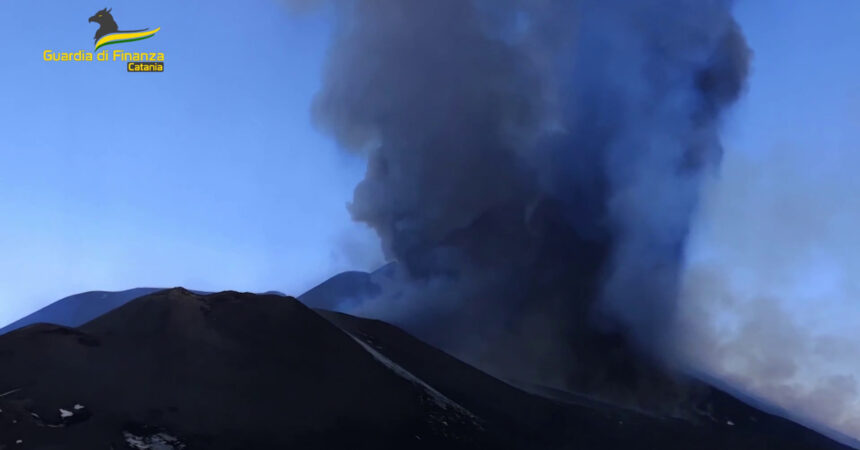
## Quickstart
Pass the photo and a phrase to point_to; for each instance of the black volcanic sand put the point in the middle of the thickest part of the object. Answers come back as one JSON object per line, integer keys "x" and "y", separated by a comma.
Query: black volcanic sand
{"x": 225, "y": 371}
{"x": 240, "y": 371}
{"x": 712, "y": 419}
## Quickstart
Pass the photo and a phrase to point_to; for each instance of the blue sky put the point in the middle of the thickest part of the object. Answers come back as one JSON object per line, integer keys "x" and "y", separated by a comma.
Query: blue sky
{"x": 772, "y": 297}
{"x": 211, "y": 175}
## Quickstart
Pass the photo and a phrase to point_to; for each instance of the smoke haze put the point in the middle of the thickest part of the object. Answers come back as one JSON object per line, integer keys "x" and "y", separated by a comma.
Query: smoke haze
{"x": 769, "y": 302}
{"x": 596, "y": 105}
{"x": 533, "y": 169}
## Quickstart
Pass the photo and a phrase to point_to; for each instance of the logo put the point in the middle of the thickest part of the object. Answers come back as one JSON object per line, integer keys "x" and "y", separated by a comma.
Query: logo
{"x": 109, "y": 33}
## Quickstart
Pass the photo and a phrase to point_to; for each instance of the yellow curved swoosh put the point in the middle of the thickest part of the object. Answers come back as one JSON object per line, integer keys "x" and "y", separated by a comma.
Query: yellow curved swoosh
{"x": 116, "y": 38}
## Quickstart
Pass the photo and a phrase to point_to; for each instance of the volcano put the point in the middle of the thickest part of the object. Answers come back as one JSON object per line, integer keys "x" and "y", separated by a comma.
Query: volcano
{"x": 179, "y": 370}
{"x": 78, "y": 309}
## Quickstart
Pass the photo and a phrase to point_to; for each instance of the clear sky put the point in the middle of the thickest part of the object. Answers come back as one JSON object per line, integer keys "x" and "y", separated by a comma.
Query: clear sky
{"x": 211, "y": 175}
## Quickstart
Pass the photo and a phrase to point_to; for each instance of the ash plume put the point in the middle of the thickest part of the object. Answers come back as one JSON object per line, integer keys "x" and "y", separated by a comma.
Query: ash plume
{"x": 532, "y": 169}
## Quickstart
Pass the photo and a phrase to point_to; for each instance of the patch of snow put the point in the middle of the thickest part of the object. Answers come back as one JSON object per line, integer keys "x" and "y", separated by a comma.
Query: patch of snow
{"x": 730, "y": 423}
{"x": 134, "y": 441}
{"x": 158, "y": 441}
{"x": 440, "y": 399}
{"x": 64, "y": 413}
{"x": 13, "y": 391}
{"x": 78, "y": 407}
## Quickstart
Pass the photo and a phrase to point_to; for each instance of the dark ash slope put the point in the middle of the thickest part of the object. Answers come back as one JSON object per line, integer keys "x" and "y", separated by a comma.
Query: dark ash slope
{"x": 240, "y": 371}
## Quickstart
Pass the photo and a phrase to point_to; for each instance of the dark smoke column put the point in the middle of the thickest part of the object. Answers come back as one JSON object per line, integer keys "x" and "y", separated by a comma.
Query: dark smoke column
{"x": 533, "y": 168}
